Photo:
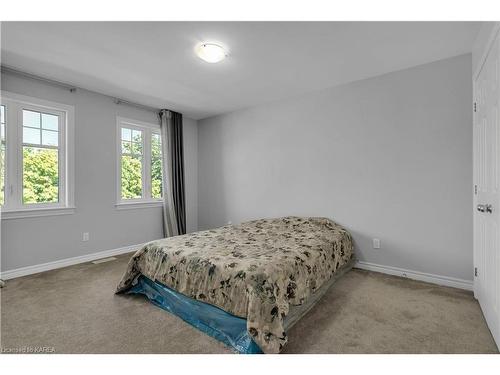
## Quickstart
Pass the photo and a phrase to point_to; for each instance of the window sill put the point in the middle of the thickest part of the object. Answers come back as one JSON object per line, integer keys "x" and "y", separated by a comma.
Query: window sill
{"x": 138, "y": 205}
{"x": 36, "y": 212}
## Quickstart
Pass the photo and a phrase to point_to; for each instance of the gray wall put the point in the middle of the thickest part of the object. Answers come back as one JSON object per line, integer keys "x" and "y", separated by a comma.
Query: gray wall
{"x": 388, "y": 157}
{"x": 31, "y": 241}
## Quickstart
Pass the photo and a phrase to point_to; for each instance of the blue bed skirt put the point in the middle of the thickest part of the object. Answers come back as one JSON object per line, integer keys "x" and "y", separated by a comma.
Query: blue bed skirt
{"x": 221, "y": 325}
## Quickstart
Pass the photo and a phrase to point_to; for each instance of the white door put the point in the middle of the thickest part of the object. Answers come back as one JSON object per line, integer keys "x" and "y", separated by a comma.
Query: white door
{"x": 487, "y": 190}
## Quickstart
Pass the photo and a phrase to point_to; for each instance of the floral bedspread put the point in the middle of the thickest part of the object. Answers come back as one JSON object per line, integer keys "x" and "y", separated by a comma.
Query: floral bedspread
{"x": 254, "y": 270}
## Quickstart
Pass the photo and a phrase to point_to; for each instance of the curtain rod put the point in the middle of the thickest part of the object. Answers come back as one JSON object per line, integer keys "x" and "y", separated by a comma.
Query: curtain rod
{"x": 72, "y": 88}
{"x": 137, "y": 105}
{"x": 9, "y": 70}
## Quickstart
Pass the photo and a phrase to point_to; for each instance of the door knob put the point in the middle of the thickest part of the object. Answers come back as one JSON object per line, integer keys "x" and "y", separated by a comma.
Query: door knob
{"x": 488, "y": 208}
{"x": 481, "y": 207}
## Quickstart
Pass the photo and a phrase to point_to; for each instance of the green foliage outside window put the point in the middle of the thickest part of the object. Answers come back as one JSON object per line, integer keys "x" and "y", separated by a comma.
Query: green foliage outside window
{"x": 2, "y": 172}
{"x": 131, "y": 173}
{"x": 40, "y": 175}
{"x": 131, "y": 169}
{"x": 2, "y": 153}
{"x": 156, "y": 169}
{"x": 131, "y": 177}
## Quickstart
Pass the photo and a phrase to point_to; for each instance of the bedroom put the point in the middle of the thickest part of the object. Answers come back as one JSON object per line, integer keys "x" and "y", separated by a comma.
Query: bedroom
{"x": 221, "y": 187}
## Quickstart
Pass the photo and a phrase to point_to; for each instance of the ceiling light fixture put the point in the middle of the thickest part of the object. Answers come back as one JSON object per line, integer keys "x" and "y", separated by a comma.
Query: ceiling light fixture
{"x": 211, "y": 52}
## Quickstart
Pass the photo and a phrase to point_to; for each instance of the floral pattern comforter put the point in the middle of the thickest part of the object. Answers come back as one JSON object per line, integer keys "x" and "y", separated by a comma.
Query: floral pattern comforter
{"x": 254, "y": 270}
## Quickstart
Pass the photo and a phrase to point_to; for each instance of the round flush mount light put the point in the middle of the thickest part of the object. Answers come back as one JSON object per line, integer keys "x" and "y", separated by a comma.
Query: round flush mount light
{"x": 211, "y": 52}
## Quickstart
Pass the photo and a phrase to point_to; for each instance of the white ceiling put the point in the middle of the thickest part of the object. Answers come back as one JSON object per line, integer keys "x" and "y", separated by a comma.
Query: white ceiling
{"x": 153, "y": 63}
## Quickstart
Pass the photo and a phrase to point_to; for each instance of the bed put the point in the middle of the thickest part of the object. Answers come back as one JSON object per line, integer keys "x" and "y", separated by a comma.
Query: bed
{"x": 263, "y": 275}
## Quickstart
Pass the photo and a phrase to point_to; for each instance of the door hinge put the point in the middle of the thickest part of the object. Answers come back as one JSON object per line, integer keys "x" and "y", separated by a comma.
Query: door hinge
{"x": 475, "y": 189}
{"x": 475, "y": 107}
{"x": 475, "y": 271}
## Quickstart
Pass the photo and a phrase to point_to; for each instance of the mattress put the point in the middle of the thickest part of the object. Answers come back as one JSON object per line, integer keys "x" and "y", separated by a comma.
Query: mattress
{"x": 296, "y": 312}
{"x": 259, "y": 270}
{"x": 215, "y": 322}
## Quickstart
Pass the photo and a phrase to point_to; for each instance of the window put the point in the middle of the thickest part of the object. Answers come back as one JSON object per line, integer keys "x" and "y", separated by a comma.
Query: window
{"x": 132, "y": 168}
{"x": 156, "y": 166}
{"x": 37, "y": 153}
{"x": 2, "y": 153}
{"x": 139, "y": 164}
{"x": 40, "y": 157}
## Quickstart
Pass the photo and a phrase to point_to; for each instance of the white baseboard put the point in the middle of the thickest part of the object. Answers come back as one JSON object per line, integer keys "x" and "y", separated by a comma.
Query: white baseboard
{"x": 416, "y": 275}
{"x": 29, "y": 270}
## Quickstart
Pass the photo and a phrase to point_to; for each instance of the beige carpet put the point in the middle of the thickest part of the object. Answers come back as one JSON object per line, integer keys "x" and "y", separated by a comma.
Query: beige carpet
{"x": 74, "y": 310}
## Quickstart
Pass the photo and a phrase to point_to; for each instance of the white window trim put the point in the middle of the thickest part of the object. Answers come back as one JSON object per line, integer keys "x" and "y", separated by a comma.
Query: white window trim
{"x": 13, "y": 207}
{"x": 148, "y": 129}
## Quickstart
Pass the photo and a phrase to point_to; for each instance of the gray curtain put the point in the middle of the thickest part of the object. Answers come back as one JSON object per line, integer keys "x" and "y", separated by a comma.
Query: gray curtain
{"x": 174, "y": 208}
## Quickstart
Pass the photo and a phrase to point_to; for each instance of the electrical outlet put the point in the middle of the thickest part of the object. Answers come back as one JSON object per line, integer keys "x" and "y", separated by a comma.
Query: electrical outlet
{"x": 376, "y": 243}
{"x": 85, "y": 236}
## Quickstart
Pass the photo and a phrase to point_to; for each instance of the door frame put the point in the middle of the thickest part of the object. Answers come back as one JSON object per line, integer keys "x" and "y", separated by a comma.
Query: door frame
{"x": 493, "y": 38}
{"x": 487, "y": 48}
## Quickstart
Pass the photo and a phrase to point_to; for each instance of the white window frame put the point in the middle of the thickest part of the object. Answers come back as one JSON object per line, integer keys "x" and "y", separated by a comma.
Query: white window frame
{"x": 13, "y": 207}
{"x": 148, "y": 129}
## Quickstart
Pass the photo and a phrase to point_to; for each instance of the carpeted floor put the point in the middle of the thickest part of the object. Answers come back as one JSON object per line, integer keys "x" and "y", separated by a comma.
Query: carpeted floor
{"x": 74, "y": 310}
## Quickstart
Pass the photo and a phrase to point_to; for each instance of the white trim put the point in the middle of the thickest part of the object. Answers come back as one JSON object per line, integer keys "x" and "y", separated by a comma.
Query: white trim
{"x": 36, "y": 101}
{"x": 36, "y": 212}
{"x": 147, "y": 129}
{"x": 29, "y": 270}
{"x": 15, "y": 103}
{"x": 416, "y": 275}
{"x": 136, "y": 123}
{"x": 137, "y": 204}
